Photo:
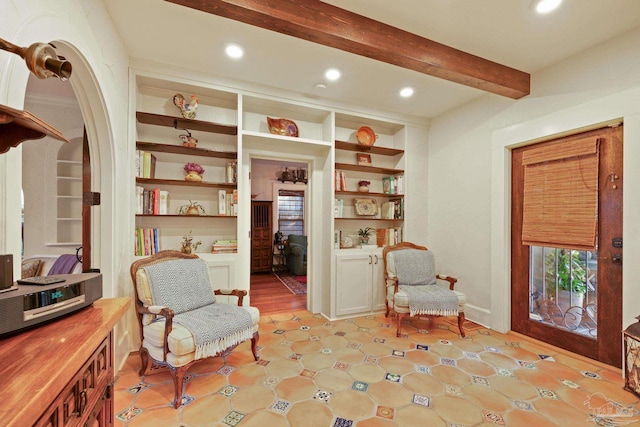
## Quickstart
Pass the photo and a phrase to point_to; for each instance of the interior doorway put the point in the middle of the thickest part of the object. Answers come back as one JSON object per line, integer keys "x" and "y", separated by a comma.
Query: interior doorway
{"x": 278, "y": 255}
{"x": 567, "y": 290}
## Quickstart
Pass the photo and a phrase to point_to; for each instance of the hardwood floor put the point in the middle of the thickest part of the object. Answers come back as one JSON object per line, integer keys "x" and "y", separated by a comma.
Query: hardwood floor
{"x": 270, "y": 296}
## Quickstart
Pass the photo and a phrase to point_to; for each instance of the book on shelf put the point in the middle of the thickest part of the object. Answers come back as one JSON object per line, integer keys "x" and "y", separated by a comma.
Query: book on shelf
{"x": 164, "y": 203}
{"x": 341, "y": 181}
{"x": 389, "y": 236}
{"x": 222, "y": 202}
{"x": 139, "y": 200}
{"x": 388, "y": 185}
{"x": 147, "y": 241}
{"x": 339, "y": 208}
{"x": 231, "y": 172}
{"x": 148, "y": 164}
{"x": 228, "y": 203}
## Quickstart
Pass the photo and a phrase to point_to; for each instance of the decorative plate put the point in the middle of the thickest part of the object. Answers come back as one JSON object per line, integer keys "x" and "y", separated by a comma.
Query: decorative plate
{"x": 346, "y": 242}
{"x": 283, "y": 127}
{"x": 366, "y": 136}
{"x": 366, "y": 206}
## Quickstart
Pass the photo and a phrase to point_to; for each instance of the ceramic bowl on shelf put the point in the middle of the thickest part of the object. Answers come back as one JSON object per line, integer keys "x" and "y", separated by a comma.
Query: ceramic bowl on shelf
{"x": 284, "y": 127}
{"x": 366, "y": 136}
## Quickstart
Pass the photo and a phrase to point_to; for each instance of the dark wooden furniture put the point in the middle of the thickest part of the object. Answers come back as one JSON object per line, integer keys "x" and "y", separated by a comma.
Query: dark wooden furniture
{"x": 61, "y": 373}
{"x": 261, "y": 236}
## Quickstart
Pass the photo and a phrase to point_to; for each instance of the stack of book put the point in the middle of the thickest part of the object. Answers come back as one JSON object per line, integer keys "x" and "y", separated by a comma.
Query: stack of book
{"x": 388, "y": 236}
{"x": 147, "y": 241}
{"x": 145, "y": 164}
{"x": 224, "y": 246}
{"x": 338, "y": 208}
{"x": 393, "y": 209}
{"x": 152, "y": 202}
{"x": 393, "y": 184}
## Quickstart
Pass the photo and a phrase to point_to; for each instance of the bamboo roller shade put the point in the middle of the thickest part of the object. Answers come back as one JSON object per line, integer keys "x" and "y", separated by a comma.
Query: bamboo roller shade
{"x": 560, "y": 207}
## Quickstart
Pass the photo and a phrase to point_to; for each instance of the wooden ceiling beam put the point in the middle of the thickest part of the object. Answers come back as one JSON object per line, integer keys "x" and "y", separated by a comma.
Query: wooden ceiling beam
{"x": 332, "y": 26}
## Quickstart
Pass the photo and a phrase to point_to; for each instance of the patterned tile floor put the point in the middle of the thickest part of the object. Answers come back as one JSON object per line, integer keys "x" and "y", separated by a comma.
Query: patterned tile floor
{"x": 355, "y": 372}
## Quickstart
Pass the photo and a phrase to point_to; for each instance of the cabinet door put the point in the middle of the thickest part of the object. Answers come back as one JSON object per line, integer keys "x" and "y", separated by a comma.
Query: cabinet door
{"x": 353, "y": 283}
{"x": 377, "y": 281}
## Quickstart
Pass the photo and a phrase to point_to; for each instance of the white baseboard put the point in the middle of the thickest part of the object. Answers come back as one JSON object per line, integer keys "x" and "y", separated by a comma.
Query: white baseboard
{"x": 478, "y": 315}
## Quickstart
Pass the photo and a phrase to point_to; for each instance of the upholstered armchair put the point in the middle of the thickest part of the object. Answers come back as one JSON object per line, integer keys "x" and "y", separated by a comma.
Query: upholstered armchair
{"x": 179, "y": 318}
{"x": 296, "y": 254}
{"x": 413, "y": 288}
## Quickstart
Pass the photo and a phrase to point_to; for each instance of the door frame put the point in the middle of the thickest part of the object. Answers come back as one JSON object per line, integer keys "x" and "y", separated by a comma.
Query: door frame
{"x": 589, "y": 115}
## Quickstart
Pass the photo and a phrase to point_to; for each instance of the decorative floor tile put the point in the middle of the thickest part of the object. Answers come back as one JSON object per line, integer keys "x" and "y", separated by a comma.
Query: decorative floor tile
{"x": 296, "y": 319}
{"x": 421, "y": 400}
{"x": 514, "y": 344}
{"x": 398, "y": 353}
{"x": 314, "y": 338}
{"x": 139, "y": 387}
{"x": 271, "y": 381}
{"x": 385, "y": 325}
{"x": 185, "y": 400}
{"x": 392, "y": 377}
{"x": 547, "y": 394}
{"x": 590, "y": 374}
{"x": 322, "y": 395}
{"x": 526, "y": 364}
{"x": 128, "y": 414}
{"x": 385, "y": 412}
{"x": 493, "y": 349}
{"x": 546, "y": 357}
{"x": 570, "y": 384}
{"x": 505, "y": 372}
{"x": 228, "y": 390}
{"x": 362, "y": 329}
{"x": 295, "y": 356}
{"x": 472, "y": 356}
{"x": 447, "y": 361}
{"x": 263, "y": 362}
{"x": 453, "y": 389}
{"x": 484, "y": 332}
{"x": 442, "y": 327}
{"x": 493, "y": 417}
{"x": 233, "y": 418}
{"x": 286, "y": 343}
{"x": 326, "y": 350}
{"x": 281, "y": 406}
{"x": 360, "y": 386}
{"x": 340, "y": 333}
{"x": 225, "y": 370}
{"x": 370, "y": 360}
{"x": 422, "y": 347}
{"x": 307, "y": 373}
{"x": 305, "y": 328}
{"x": 343, "y": 422}
{"x": 523, "y": 405}
{"x": 422, "y": 369}
{"x": 444, "y": 342}
{"x": 354, "y": 345}
{"x": 423, "y": 331}
{"x": 341, "y": 366}
{"x": 475, "y": 379}
{"x": 272, "y": 322}
{"x": 379, "y": 340}
{"x": 279, "y": 331}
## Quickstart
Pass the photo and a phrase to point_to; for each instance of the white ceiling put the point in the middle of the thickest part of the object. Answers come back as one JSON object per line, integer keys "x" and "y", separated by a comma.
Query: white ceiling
{"x": 504, "y": 31}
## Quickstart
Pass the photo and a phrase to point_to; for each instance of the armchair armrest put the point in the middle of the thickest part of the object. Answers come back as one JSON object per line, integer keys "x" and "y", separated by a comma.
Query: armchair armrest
{"x": 452, "y": 280}
{"x": 235, "y": 292}
{"x": 168, "y": 324}
{"x": 297, "y": 249}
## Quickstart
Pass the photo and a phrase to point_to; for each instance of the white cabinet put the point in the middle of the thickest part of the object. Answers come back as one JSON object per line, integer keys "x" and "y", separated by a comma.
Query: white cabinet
{"x": 359, "y": 282}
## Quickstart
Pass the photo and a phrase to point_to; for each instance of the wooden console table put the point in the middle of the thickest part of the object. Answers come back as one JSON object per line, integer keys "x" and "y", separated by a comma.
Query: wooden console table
{"x": 61, "y": 373}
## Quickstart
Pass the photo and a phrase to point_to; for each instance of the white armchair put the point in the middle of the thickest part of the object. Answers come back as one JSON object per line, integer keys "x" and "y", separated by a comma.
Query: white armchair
{"x": 179, "y": 319}
{"x": 409, "y": 271}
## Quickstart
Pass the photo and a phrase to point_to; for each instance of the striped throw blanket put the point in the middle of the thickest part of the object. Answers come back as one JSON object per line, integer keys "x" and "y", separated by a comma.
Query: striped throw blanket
{"x": 415, "y": 270}
{"x": 184, "y": 286}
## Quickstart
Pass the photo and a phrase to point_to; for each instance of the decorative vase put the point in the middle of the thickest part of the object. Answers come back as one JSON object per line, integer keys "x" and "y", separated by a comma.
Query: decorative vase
{"x": 363, "y": 189}
{"x": 193, "y": 210}
{"x": 193, "y": 176}
{"x": 189, "y": 141}
{"x": 185, "y": 249}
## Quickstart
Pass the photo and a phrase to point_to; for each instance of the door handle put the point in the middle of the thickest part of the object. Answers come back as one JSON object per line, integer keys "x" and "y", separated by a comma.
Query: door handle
{"x": 376, "y": 259}
{"x": 370, "y": 259}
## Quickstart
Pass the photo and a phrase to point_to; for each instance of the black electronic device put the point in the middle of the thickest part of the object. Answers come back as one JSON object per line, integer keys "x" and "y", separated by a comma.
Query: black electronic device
{"x": 31, "y": 305}
{"x": 40, "y": 280}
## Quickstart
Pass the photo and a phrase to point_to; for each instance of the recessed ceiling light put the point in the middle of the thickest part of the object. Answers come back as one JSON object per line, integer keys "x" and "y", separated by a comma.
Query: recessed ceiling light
{"x": 546, "y": 6}
{"x": 332, "y": 74}
{"x": 406, "y": 92}
{"x": 234, "y": 51}
{"x": 321, "y": 86}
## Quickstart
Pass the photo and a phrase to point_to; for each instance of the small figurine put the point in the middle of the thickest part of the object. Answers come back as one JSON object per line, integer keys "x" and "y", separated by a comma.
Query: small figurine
{"x": 188, "y": 111}
{"x": 188, "y": 140}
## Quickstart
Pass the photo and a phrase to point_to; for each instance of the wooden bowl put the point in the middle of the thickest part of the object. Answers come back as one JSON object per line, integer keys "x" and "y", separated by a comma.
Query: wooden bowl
{"x": 366, "y": 136}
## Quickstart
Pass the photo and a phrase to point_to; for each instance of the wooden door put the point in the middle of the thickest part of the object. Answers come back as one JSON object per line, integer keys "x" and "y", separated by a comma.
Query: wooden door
{"x": 605, "y": 345}
{"x": 261, "y": 237}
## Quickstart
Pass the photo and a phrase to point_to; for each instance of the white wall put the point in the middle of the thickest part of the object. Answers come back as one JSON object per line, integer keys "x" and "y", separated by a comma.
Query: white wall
{"x": 469, "y": 168}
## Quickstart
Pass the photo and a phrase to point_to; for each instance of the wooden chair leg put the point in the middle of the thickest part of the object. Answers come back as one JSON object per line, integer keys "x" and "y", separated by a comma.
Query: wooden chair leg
{"x": 399, "y": 327}
{"x": 461, "y": 323}
{"x": 386, "y": 303}
{"x": 178, "y": 380}
{"x": 254, "y": 345}
{"x": 144, "y": 361}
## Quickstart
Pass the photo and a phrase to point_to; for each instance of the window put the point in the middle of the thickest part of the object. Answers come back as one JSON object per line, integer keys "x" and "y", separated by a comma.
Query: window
{"x": 291, "y": 212}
